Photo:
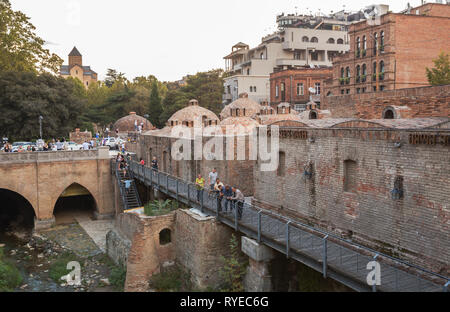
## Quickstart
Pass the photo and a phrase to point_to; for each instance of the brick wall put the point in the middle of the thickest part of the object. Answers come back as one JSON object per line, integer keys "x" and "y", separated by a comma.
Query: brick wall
{"x": 415, "y": 227}
{"x": 422, "y": 102}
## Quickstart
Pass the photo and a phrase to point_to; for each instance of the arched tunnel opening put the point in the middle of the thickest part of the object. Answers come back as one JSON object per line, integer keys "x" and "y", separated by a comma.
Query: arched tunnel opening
{"x": 74, "y": 204}
{"x": 16, "y": 213}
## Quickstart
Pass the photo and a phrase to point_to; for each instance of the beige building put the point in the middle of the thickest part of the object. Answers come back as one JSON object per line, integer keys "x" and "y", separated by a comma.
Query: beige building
{"x": 301, "y": 41}
{"x": 76, "y": 69}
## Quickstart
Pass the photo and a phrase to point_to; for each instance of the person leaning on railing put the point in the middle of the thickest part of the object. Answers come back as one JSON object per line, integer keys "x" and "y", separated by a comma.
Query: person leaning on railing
{"x": 238, "y": 201}
{"x": 218, "y": 187}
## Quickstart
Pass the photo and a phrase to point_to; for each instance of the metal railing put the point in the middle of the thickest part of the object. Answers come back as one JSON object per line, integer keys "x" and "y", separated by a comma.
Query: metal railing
{"x": 337, "y": 258}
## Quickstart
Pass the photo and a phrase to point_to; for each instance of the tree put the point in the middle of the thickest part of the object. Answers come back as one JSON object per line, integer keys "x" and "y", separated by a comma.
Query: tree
{"x": 112, "y": 77}
{"x": 155, "y": 107}
{"x": 234, "y": 268}
{"x": 440, "y": 74}
{"x": 174, "y": 101}
{"x": 24, "y": 96}
{"x": 20, "y": 48}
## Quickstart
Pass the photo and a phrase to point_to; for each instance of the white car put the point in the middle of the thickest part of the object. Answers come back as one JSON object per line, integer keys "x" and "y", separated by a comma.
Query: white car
{"x": 112, "y": 143}
{"x": 72, "y": 146}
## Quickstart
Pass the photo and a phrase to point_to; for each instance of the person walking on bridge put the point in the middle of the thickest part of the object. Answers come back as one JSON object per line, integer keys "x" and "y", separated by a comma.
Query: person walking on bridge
{"x": 212, "y": 177}
{"x": 238, "y": 201}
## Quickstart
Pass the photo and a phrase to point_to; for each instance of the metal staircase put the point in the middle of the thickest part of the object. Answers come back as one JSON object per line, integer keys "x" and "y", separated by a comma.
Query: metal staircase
{"x": 130, "y": 197}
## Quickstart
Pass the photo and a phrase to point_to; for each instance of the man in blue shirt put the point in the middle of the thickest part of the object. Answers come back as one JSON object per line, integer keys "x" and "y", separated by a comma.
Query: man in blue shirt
{"x": 228, "y": 194}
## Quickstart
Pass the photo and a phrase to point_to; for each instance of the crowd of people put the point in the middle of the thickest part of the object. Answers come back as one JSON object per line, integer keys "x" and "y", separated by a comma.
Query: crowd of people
{"x": 228, "y": 197}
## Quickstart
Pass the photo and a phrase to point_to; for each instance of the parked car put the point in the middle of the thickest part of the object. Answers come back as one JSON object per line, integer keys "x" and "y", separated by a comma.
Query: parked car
{"x": 72, "y": 146}
{"x": 24, "y": 145}
{"x": 112, "y": 143}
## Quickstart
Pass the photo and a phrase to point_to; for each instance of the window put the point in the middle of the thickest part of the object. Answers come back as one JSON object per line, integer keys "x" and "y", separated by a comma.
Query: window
{"x": 248, "y": 71}
{"x": 262, "y": 56}
{"x": 330, "y": 40}
{"x": 281, "y": 164}
{"x": 251, "y": 88}
{"x": 276, "y": 91}
{"x": 342, "y": 91}
{"x": 340, "y": 41}
{"x": 358, "y": 44}
{"x": 364, "y": 90}
{"x": 382, "y": 41}
{"x": 374, "y": 88}
{"x": 364, "y": 73}
{"x": 381, "y": 88}
{"x": 314, "y": 39}
{"x": 364, "y": 43}
{"x": 358, "y": 73}
{"x": 305, "y": 39}
{"x": 374, "y": 71}
{"x": 388, "y": 114}
{"x": 350, "y": 175}
{"x": 300, "y": 89}
{"x": 165, "y": 237}
{"x": 314, "y": 56}
{"x": 375, "y": 43}
{"x": 342, "y": 72}
{"x": 347, "y": 91}
{"x": 297, "y": 55}
{"x": 381, "y": 74}
{"x": 317, "y": 87}
{"x": 358, "y": 90}
{"x": 312, "y": 115}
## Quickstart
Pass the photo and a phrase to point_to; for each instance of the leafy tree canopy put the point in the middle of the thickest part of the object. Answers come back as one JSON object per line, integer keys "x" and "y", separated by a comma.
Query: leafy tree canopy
{"x": 440, "y": 74}
{"x": 20, "y": 48}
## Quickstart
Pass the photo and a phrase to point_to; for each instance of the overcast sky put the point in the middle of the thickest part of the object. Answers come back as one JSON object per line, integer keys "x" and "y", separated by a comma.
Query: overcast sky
{"x": 166, "y": 38}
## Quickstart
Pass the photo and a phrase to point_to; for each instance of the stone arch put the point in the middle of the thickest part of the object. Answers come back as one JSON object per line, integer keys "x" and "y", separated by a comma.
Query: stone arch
{"x": 389, "y": 113}
{"x": 165, "y": 236}
{"x": 313, "y": 115}
{"x": 22, "y": 215}
{"x": 61, "y": 192}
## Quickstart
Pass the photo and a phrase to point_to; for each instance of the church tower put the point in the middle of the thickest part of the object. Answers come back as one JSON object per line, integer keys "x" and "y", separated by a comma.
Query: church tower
{"x": 75, "y": 58}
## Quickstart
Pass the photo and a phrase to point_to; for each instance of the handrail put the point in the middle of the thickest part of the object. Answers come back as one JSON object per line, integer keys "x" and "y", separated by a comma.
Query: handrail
{"x": 314, "y": 231}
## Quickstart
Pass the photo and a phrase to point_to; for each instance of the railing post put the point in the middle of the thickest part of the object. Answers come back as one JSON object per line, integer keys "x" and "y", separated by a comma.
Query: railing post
{"x": 201, "y": 200}
{"x": 158, "y": 179}
{"x": 178, "y": 199}
{"x": 374, "y": 286}
{"x": 287, "y": 239}
{"x": 446, "y": 286}
{"x": 325, "y": 256}
{"x": 236, "y": 224}
{"x": 259, "y": 226}
{"x": 167, "y": 184}
{"x": 217, "y": 210}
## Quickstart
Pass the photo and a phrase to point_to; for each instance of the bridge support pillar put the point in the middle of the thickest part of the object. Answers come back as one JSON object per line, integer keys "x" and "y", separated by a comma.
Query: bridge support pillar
{"x": 258, "y": 278}
{"x": 43, "y": 224}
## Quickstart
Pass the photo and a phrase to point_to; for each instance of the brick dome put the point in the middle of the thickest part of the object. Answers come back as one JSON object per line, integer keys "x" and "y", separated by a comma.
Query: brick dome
{"x": 245, "y": 124}
{"x": 191, "y": 113}
{"x": 126, "y": 124}
{"x": 242, "y": 107}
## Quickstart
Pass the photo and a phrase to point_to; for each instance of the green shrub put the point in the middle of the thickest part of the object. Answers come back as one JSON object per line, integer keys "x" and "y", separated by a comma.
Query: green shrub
{"x": 10, "y": 277}
{"x": 234, "y": 269}
{"x": 117, "y": 277}
{"x": 173, "y": 279}
{"x": 59, "y": 267}
{"x": 160, "y": 208}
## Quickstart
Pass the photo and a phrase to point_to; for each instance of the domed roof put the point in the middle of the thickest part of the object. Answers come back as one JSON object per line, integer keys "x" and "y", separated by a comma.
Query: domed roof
{"x": 126, "y": 124}
{"x": 242, "y": 103}
{"x": 190, "y": 113}
{"x": 245, "y": 123}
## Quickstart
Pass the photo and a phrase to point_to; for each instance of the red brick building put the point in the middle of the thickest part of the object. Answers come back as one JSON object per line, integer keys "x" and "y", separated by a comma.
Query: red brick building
{"x": 292, "y": 86}
{"x": 392, "y": 54}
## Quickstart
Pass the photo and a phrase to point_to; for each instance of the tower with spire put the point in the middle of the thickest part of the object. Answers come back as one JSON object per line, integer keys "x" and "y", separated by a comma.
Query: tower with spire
{"x": 76, "y": 69}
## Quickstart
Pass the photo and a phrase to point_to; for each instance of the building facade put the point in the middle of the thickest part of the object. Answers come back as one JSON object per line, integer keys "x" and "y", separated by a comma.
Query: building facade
{"x": 394, "y": 53}
{"x": 76, "y": 69}
{"x": 301, "y": 41}
{"x": 294, "y": 86}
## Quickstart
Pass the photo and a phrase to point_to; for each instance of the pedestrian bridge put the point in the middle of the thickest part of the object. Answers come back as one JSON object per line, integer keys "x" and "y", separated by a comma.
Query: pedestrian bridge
{"x": 339, "y": 259}
{"x": 40, "y": 179}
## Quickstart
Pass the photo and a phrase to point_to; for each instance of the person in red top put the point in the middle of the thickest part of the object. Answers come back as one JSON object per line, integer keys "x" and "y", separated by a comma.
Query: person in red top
{"x": 142, "y": 162}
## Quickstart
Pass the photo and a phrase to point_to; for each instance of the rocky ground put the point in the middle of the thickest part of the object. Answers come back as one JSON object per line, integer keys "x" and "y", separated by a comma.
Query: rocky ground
{"x": 42, "y": 259}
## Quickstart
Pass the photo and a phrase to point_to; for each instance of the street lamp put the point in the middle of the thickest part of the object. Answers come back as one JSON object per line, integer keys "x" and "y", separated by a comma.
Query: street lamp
{"x": 40, "y": 126}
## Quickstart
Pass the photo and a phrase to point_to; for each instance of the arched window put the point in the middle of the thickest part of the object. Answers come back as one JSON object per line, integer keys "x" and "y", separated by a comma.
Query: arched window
{"x": 314, "y": 39}
{"x": 358, "y": 73}
{"x": 305, "y": 39}
{"x": 358, "y": 43}
{"x": 375, "y": 43}
{"x": 165, "y": 237}
{"x": 340, "y": 41}
{"x": 312, "y": 115}
{"x": 342, "y": 72}
{"x": 348, "y": 72}
{"x": 374, "y": 71}
{"x": 364, "y": 73}
{"x": 388, "y": 114}
{"x": 364, "y": 44}
{"x": 381, "y": 70}
{"x": 382, "y": 41}
{"x": 330, "y": 40}
{"x": 350, "y": 175}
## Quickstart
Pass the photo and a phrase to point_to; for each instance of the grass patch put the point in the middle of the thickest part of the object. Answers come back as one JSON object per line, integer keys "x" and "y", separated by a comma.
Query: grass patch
{"x": 59, "y": 267}
{"x": 173, "y": 279}
{"x": 10, "y": 277}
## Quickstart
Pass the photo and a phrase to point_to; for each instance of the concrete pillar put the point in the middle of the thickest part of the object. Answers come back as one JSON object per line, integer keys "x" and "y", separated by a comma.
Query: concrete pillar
{"x": 258, "y": 278}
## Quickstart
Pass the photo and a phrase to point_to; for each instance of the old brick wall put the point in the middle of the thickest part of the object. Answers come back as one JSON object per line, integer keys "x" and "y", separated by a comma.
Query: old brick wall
{"x": 199, "y": 246}
{"x": 415, "y": 227}
{"x": 422, "y": 102}
{"x": 146, "y": 255}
